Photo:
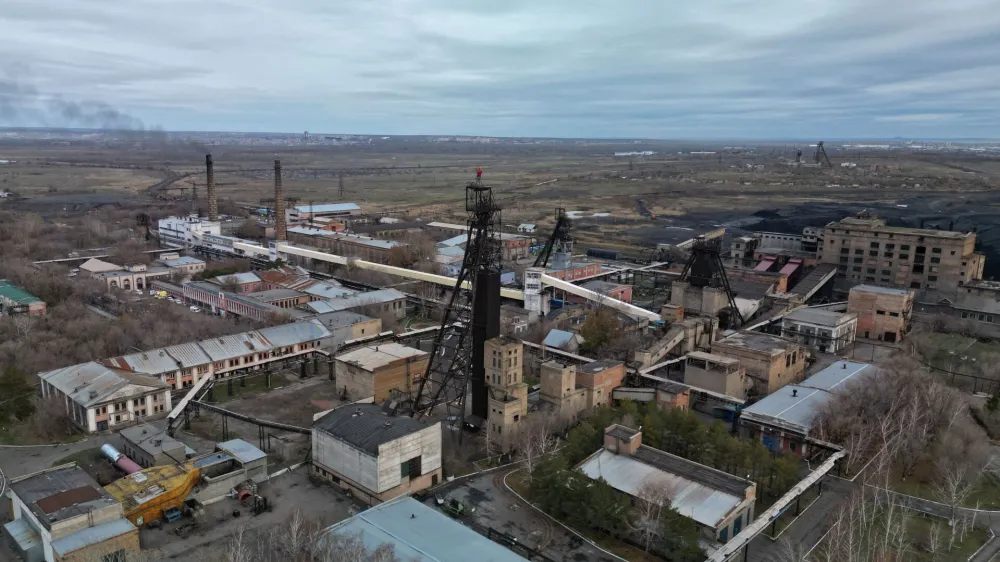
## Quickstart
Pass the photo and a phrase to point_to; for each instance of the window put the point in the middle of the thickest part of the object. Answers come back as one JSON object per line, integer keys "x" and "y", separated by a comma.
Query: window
{"x": 873, "y": 253}
{"x": 935, "y": 260}
{"x": 859, "y": 260}
{"x": 921, "y": 249}
{"x": 788, "y": 360}
{"x": 874, "y": 245}
{"x": 880, "y": 312}
{"x": 859, "y": 252}
{"x": 935, "y": 250}
{"x": 887, "y": 255}
{"x": 894, "y": 314}
{"x": 932, "y": 277}
{"x": 890, "y": 246}
{"x": 915, "y": 285}
{"x": 904, "y": 256}
{"x": 886, "y": 272}
{"x": 919, "y": 258}
{"x": 844, "y": 251}
{"x": 870, "y": 270}
{"x": 886, "y": 280}
{"x": 904, "y": 247}
{"x": 869, "y": 278}
{"x": 843, "y": 259}
{"x": 918, "y": 268}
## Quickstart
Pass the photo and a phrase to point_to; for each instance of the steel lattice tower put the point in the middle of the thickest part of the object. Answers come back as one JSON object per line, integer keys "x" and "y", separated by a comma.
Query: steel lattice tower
{"x": 456, "y": 365}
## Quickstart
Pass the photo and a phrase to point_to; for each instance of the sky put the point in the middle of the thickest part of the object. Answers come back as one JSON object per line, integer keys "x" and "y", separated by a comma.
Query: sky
{"x": 723, "y": 69}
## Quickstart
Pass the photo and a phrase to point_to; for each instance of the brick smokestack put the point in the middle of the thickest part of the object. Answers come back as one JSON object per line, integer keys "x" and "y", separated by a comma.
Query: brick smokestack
{"x": 280, "y": 229}
{"x": 213, "y": 202}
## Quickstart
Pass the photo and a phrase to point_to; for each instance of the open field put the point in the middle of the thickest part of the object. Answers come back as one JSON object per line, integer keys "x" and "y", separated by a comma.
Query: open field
{"x": 415, "y": 177}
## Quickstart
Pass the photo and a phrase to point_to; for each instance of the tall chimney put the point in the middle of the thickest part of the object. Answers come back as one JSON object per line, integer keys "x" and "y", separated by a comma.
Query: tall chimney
{"x": 213, "y": 203}
{"x": 280, "y": 232}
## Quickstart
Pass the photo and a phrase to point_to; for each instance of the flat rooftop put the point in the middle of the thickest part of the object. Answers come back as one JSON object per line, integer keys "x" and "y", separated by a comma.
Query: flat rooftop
{"x": 366, "y": 426}
{"x": 757, "y": 341}
{"x": 60, "y": 494}
{"x": 374, "y": 357}
{"x": 154, "y": 441}
{"x": 817, "y": 316}
{"x": 880, "y": 290}
{"x": 598, "y": 366}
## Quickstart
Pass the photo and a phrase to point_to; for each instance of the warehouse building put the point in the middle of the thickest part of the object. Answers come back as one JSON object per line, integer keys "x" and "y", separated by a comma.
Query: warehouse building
{"x": 627, "y": 465}
{"x": 383, "y": 301}
{"x": 346, "y": 326}
{"x": 14, "y": 300}
{"x": 185, "y": 265}
{"x": 62, "y": 515}
{"x": 148, "y": 446}
{"x": 98, "y": 398}
{"x": 374, "y": 455}
{"x": 302, "y": 213}
{"x": 377, "y": 370}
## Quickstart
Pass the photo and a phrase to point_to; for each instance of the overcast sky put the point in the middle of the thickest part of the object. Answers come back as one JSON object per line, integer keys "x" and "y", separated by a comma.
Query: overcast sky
{"x": 581, "y": 68}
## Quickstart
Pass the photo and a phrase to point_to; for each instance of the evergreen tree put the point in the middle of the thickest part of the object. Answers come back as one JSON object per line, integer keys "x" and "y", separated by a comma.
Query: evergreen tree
{"x": 16, "y": 395}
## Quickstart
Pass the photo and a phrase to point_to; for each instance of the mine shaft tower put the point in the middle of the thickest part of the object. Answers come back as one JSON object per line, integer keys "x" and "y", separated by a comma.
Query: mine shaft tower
{"x": 457, "y": 365}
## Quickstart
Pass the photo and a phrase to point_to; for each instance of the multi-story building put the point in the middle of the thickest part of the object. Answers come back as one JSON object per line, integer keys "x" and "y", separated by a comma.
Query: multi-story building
{"x": 823, "y": 330}
{"x": 376, "y": 456}
{"x": 180, "y": 231}
{"x": 97, "y": 397}
{"x": 865, "y": 250}
{"x": 345, "y": 326}
{"x": 345, "y": 244}
{"x": 771, "y": 362}
{"x": 185, "y": 265}
{"x": 883, "y": 313}
{"x": 508, "y": 394}
{"x": 716, "y": 373}
{"x": 62, "y": 515}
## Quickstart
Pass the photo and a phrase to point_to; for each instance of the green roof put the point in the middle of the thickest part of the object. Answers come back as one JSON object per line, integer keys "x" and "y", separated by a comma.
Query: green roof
{"x": 15, "y": 294}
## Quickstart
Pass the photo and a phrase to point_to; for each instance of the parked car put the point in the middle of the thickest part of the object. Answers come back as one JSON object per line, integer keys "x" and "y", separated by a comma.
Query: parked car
{"x": 152, "y": 293}
{"x": 75, "y": 270}
{"x": 195, "y": 309}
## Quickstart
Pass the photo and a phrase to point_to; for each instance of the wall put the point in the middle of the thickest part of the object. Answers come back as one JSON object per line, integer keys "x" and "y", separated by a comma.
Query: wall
{"x": 826, "y": 339}
{"x": 362, "y": 383}
{"x": 425, "y": 444}
{"x": 881, "y": 316}
{"x": 732, "y": 383}
{"x": 768, "y": 373}
{"x": 344, "y": 460}
{"x": 127, "y": 541}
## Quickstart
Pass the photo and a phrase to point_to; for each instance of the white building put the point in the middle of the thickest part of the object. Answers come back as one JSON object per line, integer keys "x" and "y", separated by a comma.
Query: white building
{"x": 98, "y": 398}
{"x": 376, "y": 456}
{"x": 179, "y": 231}
{"x": 301, "y": 213}
{"x": 823, "y": 330}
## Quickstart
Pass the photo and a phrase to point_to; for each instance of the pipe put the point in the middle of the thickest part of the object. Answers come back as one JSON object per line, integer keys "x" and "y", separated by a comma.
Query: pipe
{"x": 127, "y": 465}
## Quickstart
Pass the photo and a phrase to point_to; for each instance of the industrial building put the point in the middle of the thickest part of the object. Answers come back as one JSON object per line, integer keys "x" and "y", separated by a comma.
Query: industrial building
{"x": 98, "y": 398}
{"x": 345, "y": 326}
{"x": 420, "y": 533}
{"x": 302, "y": 213}
{"x": 244, "y": 282}
{"x": 568, "y": 390}
{"x": 148, "y": 446}
{"x": 185, "y": 265}
{"x": 784, "y": 420}
{"x": 374, "y": 455}
{"x": 384, "y": 301}
{"x": 281, "y": 298}
{"x": 182, "y": 366}
{"x": 126, "y": 277}
{"x": 507, "y": 391}
{"x": 182, "y": 231}
{"x": 865, "y": 250}
{"x": 884, "y": 313}
{"x": 62, "y": 515}
{"x": 823, "y": 330}
{"x": 377, "y": 370}
{"x": 14, "y": 300}
{"x": 717, "y": 373}
{"x": 345, "y": 244}
{"x": 720, "y": 503}
{"x": 771, "y": 362}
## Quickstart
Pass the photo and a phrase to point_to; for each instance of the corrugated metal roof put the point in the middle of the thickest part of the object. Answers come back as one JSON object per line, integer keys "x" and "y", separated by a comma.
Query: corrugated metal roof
{"x": 38, "y": 487}
{"x": 92, "y": 535}
{"x": 13, "y": 293}
{"x": 321, "y": 307}
{"x": 326, "y": 290}
{"x": 152, "y": 362}
{"x": 558, "y": 338}
{"x": 452, "y": 252}
{"x": 691, "y": 499}
{"x": 237, "y": 345}
{"x": 188, "y": 354}
{"x": 294, "y": 333}
{"x": 241, "y": 450}
{"x": 795, "y": 406}
{"x": 327, "y": 208}
{"x": 242, "y": 278}
{"x": 183, "y": 260}
{"x": 274, "y": 294}
{"x": 362, "y": 299}
{"x": 90, "y": 383}
{"x": 342, "y": 318}
{"x": 420, "y": 533}
{"x": 455, "y": 240}
{"x": 821, "y": 317}
{"x": 23, "y": 534}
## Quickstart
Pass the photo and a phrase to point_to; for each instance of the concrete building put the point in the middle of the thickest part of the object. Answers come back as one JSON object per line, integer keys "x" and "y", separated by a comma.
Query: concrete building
{"x": 716, "y": 373}
{"x": 573, "y": 271}
{"x": 98, "y": 398}
{"x": 771, "y": 362}
{"x": 779, "y": 240}
{"x": 185, "y": 265}
{"x": 564, "y": 340}
{"x": 742, "y": 251}
{"x": 345, "y": 326}
{"x": 225, "y": 303}
{"x": 865, "y": 250}
{"x": 823, "y": 330}
{"x": 62, "y": 515}
{"x": 514, "y": 246}
{"x": 784, "y": 420}
{"x": 376, "y": 456}
{"x": 148, "y": 446}
{"x": 417, "y": 532}
{"x": 133, "y": 277}
{"x": 182, "y": 231}
{"x": 600, "y": 378}
{"x": 377, "y": 370}
{"x": 700, "y": 300}
{"x": 568, "y": 390}
{"x": 14, "y": 300}
{"x": 979, "y": 302}
{"x": 608, "y": 289}
{"x": 251, "y": 461}
{"x": 508, "y": 394}
{"x": 720, "y": 503}
{"x": 389, "y": 231}
{"x": 245, "y": 282}
{"x": 345, "y": 244}
{"x": 515, "y": 321}
{"x": 883, "y": 314}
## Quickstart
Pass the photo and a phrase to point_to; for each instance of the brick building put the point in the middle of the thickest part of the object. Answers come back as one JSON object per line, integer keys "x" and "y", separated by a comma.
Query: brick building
{"x": 508, "y": 394}
{"x": 883, "y": 313}
{"x": 376, "y": 370}
{"x": 865, "y": 250}
{"x": 344, "y": 244}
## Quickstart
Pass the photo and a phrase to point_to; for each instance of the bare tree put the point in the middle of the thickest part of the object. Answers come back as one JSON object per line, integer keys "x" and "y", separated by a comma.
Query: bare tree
{"x": 652, "y": 497}
{"x": 535, "y": 439}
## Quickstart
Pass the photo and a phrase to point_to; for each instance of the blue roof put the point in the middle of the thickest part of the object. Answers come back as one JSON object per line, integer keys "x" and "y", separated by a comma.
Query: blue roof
{"x": 558, "y": 338}
{"x": 420, "y": 533}
{"x": 795, "y": 406}
{"x": 92, "y": 535}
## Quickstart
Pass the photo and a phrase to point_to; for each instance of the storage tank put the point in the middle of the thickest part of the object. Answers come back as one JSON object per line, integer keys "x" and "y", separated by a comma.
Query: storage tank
{"x": 120, "y": 460}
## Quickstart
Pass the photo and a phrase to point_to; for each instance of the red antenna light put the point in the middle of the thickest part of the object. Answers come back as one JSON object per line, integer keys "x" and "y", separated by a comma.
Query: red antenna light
{"x": 479, "y": 173}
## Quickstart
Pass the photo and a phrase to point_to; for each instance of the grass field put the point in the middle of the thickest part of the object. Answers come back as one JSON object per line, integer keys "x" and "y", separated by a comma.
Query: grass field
{"x": 955, "y": 353}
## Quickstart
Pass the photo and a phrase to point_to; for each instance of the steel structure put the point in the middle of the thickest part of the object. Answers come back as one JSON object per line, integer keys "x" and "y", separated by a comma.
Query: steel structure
{"x": 704, "y": 269}
{"x": 560, "y": 236}
{"x": 456, "y": 364}
{"x": 820, "y": 151}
